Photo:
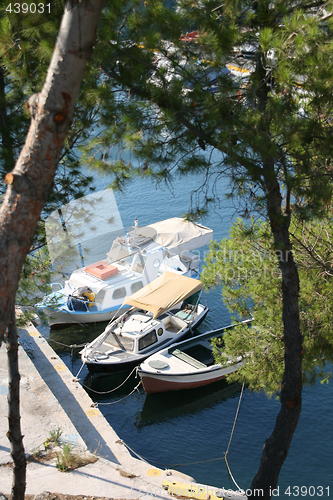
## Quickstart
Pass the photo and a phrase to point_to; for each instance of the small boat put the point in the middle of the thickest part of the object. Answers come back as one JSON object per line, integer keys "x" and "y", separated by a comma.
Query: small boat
{"x": 187, "y": 365}
{"x": 95, "y": 292}
{"x": 163, "y": 312}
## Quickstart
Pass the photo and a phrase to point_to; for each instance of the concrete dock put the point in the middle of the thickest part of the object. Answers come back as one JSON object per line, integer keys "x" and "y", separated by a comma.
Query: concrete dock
{"x": 52, "y": 399}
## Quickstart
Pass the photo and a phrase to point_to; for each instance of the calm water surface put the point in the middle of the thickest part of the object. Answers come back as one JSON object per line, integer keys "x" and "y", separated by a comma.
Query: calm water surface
{"x": 190, "y": 430}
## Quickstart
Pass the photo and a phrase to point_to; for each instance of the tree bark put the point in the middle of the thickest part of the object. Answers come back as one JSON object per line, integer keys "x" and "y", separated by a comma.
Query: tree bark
{"x": 14, "y": 427}
{"x": 29, "y": 183}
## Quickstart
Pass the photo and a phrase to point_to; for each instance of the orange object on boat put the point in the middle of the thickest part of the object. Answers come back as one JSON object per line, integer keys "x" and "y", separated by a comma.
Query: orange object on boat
{"x": 101, "y": 270}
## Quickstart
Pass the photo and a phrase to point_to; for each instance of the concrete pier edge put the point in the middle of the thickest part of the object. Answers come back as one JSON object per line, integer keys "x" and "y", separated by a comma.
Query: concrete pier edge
{"x": 51, "y": 399}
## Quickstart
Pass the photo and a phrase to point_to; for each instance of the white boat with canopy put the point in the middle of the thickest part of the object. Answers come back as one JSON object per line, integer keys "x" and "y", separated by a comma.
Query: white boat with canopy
{"x": 96, "y": 290}
{"x": 162, "y": 313}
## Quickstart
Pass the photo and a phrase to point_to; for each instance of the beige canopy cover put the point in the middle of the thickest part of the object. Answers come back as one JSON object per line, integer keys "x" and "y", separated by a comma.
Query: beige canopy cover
{"x": 164, "y": 293}
{"x": 179, "y": 235}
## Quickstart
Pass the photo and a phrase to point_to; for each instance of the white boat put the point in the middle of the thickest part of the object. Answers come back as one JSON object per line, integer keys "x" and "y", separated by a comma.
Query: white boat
{"x": 96, "y": 292}
{"x": 187, "y": 365}
{"x": 162, "y": 313}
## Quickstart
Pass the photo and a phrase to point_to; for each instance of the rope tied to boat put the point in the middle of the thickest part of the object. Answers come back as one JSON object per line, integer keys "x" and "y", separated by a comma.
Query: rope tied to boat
{"x": 71, "y": 346}
{"x": 122, "y": 399}
{"x": 232, "y": 432}
{"x": 111, "y": 390}
{"x": 202, "y": 461}
{"x": 76, "y": 379}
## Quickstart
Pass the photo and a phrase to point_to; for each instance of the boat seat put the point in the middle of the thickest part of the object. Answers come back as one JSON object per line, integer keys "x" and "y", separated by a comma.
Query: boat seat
{"x": 185, "y": 315}
{"x": 172, "y": 329}
{"x": 188, "y": 359}
{"x": 173, "y": 324}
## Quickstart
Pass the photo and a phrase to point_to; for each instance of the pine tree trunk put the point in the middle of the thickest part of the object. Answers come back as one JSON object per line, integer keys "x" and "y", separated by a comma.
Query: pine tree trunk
{"x": 14, "y": 427}
{"x": 276, "y": 448}
{"x": 31, "y": 180}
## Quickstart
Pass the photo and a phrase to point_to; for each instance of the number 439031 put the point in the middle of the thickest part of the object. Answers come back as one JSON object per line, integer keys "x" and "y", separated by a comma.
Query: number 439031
{"x": 32, "y": 8}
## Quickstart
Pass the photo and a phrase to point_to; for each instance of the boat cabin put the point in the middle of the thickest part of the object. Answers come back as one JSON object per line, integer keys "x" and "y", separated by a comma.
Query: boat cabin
{"x": 137, "y": 331}
{"x": 127, "y": 275}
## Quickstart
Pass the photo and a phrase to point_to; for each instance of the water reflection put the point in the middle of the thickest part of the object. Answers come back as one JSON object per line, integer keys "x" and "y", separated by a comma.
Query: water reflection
{"x": 163, "y": 407}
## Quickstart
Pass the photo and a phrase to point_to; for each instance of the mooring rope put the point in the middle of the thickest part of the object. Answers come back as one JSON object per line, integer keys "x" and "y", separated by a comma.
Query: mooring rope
{"x": 111, "y": 390}
{"x": 72, "y": 346}
{"x": 122, "y": 399}
{"x": 171, "y": 465}
{"x": 199, "y": 461}
{"x": 78, "y": 373}
{"x": 236, "y": 416}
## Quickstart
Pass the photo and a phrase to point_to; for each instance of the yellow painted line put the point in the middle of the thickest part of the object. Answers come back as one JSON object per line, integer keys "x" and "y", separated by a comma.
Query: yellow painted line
{"x": 191, "y": 490}
{"x": 237, "y": 68}
{"x": 59, "y": 368}
{"x": 92, "y": 413}
{"x": 34, "y": 334}
{"x": 154, "y": 472}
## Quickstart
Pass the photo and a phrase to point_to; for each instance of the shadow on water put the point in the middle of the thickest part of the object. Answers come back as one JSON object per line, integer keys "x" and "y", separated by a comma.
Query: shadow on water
{"x": 63, "y": 339}
{"x": 163, "y": 407}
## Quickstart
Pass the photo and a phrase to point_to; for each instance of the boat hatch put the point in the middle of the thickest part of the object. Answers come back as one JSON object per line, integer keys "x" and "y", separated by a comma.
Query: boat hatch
{"x": 140, "y": 318}
{"x": 158, "y": 364}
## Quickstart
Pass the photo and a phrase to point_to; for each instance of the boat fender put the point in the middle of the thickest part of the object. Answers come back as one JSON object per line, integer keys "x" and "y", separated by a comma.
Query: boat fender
{"x": 89, "y": 294}
{"x": 76, "y": 304}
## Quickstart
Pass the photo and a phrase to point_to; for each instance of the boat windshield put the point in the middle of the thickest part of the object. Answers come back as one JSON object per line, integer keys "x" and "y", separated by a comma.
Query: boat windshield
{"x": 116, "y": 340}
{"x": 119, "y": 252}
{"x": 126, "y": 262}
{"x": 139, "y": 263}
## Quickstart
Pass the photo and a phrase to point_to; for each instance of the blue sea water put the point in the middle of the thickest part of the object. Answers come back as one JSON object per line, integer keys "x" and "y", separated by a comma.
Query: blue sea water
{"x": 190, "y": 430}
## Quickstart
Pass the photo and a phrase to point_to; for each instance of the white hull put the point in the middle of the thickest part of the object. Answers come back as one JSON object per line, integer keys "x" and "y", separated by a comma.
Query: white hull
{"x": 66, "y": 317}
{"x": 153, "y": 383}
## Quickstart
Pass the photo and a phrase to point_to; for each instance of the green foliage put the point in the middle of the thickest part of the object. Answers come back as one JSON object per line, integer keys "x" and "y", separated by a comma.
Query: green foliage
{"x": 267, "y": 127}
{"x": 54, "y": 436}
{"x": 35, "y": 276}
{"x": 25, "y": 53}
{"x": 159, "y": 108}
{"x": 246, "y": 266}
{"x": 68, "y": 459}
{"x": 65, "y": 459}
{"x": 147, "y": 105}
